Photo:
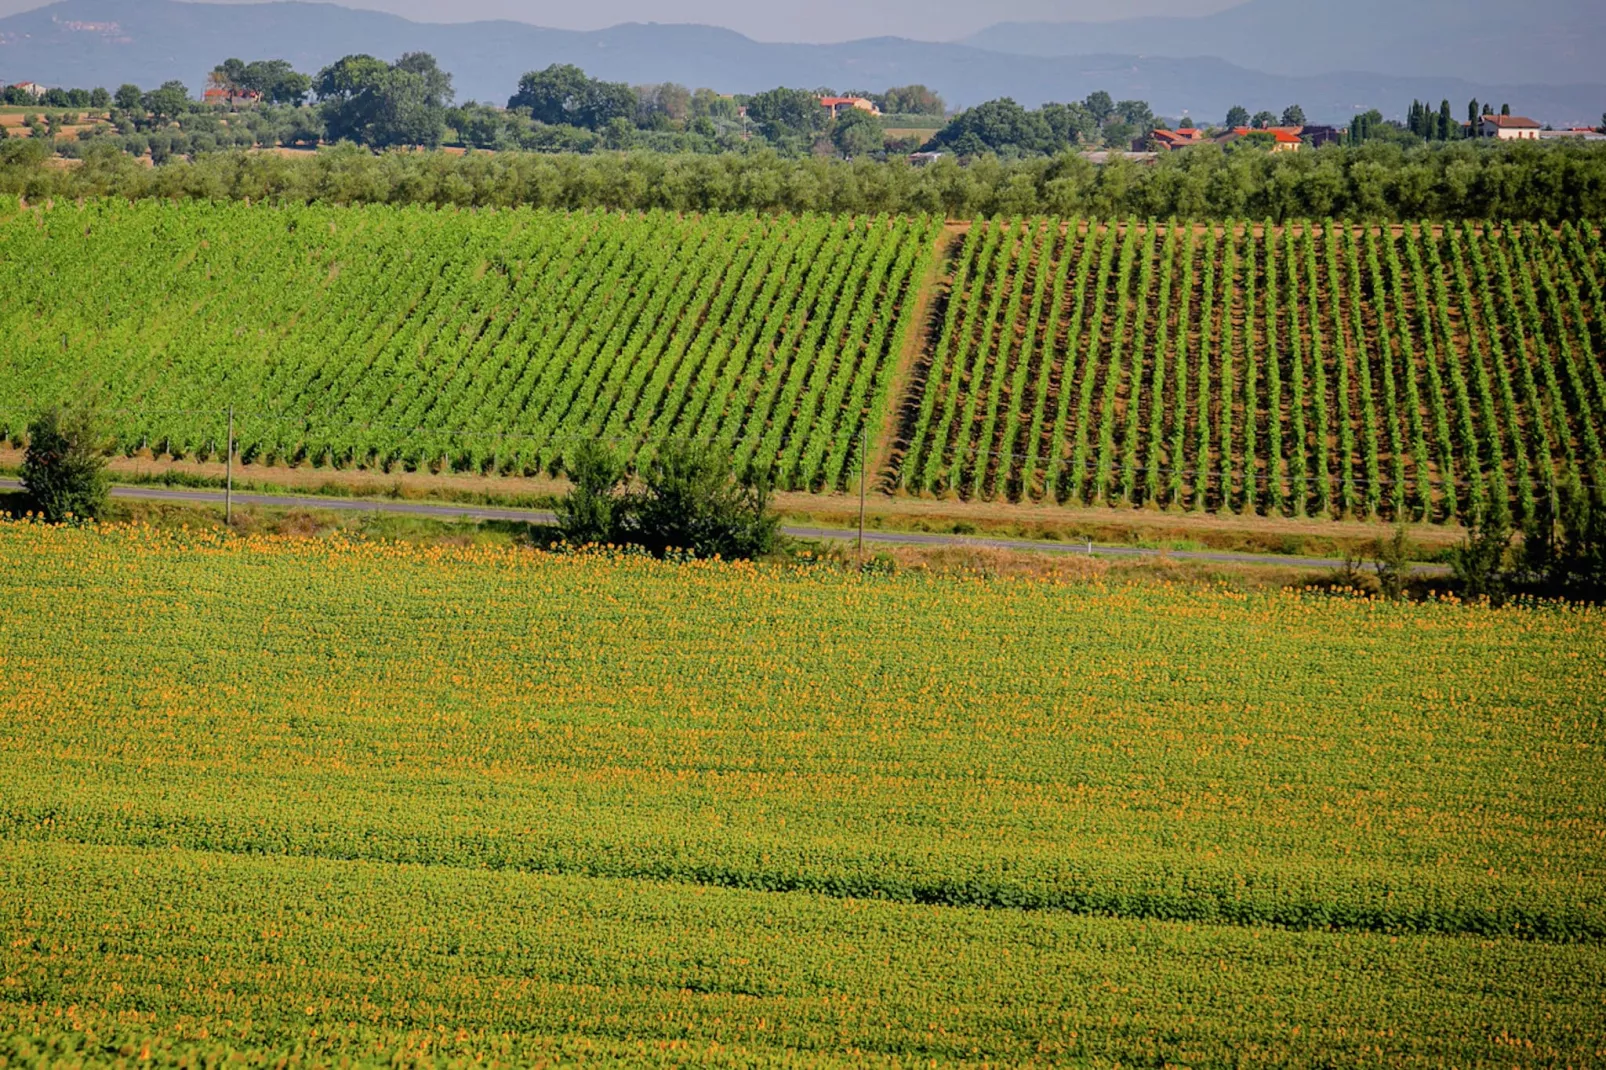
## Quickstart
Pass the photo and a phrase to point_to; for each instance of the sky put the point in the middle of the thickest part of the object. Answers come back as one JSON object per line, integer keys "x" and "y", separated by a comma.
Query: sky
{"x": 766, "y": 20}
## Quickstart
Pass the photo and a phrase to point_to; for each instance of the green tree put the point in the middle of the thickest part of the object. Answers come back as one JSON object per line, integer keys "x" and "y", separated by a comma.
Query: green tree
{"x": 857, "y": 133}
{"x": 1263, "y": 120}
{"x": 691, "y": 502}
{"x": 1479, "y": 562}
{"x": 593, "y": 511}
{"x": 275, "y": 79}
{"x": 1069, "y": 124}
{"x": 912, "y": 100}
{"x": 128, "y": 97}
{"x": 1237, "y": 116}
{"x": 563, "y": 95}
{"x": 63, "y": 471}
{"x": 168, "y": 102}
{"x": 99, "y": 98}
{"x": 782, "y": 113}
{"x": 1100, "y": 106}
{"x": 365, "y": 100}
{"x": 998, "y": 126}
{"x": 1293, "y": 115}
{"x": 1392, "y": 558}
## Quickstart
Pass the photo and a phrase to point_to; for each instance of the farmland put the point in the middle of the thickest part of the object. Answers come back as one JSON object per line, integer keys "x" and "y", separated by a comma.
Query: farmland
{"x": 1432, "y": 374}
{"x": 491, "y": 341}
{"x": 365, "y": 799}
{"x": 1307, "y": 370}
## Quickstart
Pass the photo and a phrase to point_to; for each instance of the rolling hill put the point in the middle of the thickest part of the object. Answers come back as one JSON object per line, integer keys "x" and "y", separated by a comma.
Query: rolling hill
{"x": 1548, "y": 42}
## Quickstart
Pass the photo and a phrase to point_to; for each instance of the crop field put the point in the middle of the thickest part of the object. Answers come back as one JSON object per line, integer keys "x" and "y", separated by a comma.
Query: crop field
{"x": 276, "y": 796}
{"x": 492, "y": 341}
{"x": 1307, "y": 370}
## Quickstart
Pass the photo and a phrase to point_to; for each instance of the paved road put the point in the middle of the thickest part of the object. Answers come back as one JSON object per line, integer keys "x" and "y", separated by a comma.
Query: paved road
{"x": 537, "y": 516}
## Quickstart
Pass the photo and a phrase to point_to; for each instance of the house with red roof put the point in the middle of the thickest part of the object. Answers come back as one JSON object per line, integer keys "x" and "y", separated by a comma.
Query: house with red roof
{"x": 1167, "y": 140}
{"x": 1284, "y": 138}
{"x": 1508, "y": 127}
{"x": 836, "y": 105}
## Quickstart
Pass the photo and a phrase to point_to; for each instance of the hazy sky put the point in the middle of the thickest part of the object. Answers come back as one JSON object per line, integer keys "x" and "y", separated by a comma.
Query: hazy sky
{"x": 818, "y": 20}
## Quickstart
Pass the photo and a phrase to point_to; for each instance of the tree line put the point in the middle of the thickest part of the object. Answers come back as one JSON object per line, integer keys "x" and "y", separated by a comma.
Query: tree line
{"x": 1375, "y": 181}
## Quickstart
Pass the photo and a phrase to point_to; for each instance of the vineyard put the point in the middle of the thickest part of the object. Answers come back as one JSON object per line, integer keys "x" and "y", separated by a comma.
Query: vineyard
{"x": 490, "y": 341}
{"x": 1308, "y": 370}
{"x": 367, "y": 801}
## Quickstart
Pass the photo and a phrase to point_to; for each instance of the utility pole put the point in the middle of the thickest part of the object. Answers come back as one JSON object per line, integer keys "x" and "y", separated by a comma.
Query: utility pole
{"x": 864, "y": 462}
{"x": 228, "y": 478}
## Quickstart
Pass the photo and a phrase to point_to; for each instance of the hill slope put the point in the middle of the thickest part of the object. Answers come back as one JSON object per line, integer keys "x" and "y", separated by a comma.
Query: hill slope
{"x": 106, "y": 42}
{"x": 1547, "y": 41}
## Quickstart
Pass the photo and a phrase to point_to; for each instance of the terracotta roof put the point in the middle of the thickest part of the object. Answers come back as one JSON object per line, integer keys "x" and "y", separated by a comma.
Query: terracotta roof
{"x": 831, "y": 102}
{"x": 1285, "y": 135}
{"x": 1518, "y": 122}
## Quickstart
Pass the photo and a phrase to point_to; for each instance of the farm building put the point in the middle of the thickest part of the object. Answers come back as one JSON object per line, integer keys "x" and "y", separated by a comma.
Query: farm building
{"x": 1509, "y": 128}
{"x": 836, "y": 105}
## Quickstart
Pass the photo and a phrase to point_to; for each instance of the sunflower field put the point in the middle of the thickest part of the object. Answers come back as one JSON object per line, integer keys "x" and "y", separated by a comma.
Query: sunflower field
{"x": 316, "y": 801}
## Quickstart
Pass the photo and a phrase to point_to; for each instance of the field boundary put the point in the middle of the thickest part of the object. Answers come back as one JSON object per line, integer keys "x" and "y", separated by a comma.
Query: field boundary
{"x": 919, "y": 335}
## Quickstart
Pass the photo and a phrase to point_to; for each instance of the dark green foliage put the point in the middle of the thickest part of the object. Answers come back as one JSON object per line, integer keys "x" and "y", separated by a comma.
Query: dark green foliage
{"x": 689, "y": 502}
{"x": 63, "y": 471}
{"x": 1392, "y": 559}
{"x": 1372, "y": 181}
{"x": 168, "y": 102}
{"x": 592, "y": 512}
{"x": 275, "y": 79}
{"x": 787, "y": 113}
{"x": 1237, "y": 115}
{"x": 1479, "y": 563}
{"x": 368, "y": 101}
{"x": 857, "y": 133}
{"x": 563, "y": 95}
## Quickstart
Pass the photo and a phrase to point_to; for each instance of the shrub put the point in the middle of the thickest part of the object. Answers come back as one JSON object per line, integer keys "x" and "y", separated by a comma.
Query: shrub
{"x": 63, "y": 470}
{"x": 1479, "y": 563}
{"x": 592, "y": 512}
{"x": 689, "y": 501}
{"x": 1393, "y": 562}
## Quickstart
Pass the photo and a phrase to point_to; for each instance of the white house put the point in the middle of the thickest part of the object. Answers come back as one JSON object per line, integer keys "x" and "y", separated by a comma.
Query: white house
{"x": 33, "y": 89}
{"x": 1509, "y": 128}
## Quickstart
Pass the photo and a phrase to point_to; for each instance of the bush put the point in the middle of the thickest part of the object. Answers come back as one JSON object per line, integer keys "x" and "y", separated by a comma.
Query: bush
{"x": 1392, "y": 559}
{"x": 690, "y": 502}
{"x": 63, "y": 470}
{"x": 1479, "y": 563}
{"x": 592, "y": 512}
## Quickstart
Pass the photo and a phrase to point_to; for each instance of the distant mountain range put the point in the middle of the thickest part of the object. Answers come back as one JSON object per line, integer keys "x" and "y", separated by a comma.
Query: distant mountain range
{"x": 1551, "y": 42}
{"x": 108, "y": 42}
